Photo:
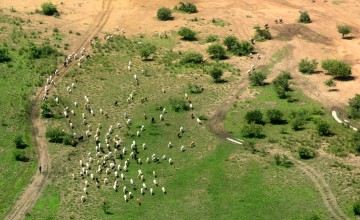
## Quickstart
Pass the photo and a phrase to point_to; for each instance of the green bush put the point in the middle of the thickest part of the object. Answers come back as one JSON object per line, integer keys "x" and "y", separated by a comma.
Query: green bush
{"x": 330, "y": 83}
{"x": 281, "y": 84}
{"x": 49, "y": 9}
{"x": 230, "y": 41}
{"x": 306, "y": 153}
{"x": 216, "y": 73}
{"x": 46, "y": 112}
{"x": 257, "y": 78}
{"x": 236, "y": 47}
{"x": 192, "y": 57}
{"x": 336, "y": 68}
{"x": 187, "y": 7}
{"x": 282, "y": 160}
{"x": 274, "y": 116}
{"x": 164, "y": 14}
{"x": 178, "y": 104}
{"x": 356, "y": 208}
{"x": 299, "y": 119}
{"x": 211, "y": 38}
{"x": 68, "y": 139}
{"x": 54, "y": 135}
{"x": 4, "y": 55}
{"x": 262, "y": 34}
{"x": 19, "y": 142}
{"x": 146, "y": 50}
{"x": 323, "y": 128}
{"x": 195, "y": 89}
{"x": 254, "y": 116}
{"x": 304, "y": 17}
{"x": 354, "y": 104}
{"x": 20, "y": 155}
{"x": 41, "y": 52}
{"x": 216, "y": 51}
{"x": 344, "y": 30}
{"x": 307, "y": 66}
{"x": 252, "y": 130}
{"x": 187, "y": 33}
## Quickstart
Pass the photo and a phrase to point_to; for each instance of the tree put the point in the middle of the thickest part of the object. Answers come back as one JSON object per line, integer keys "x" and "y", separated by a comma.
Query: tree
{"x": 306, "y": 153}
{"x": 216, "y": 51}
{"x": 356, "y": 208}
{"x": 187, "y": 7}
{"x": 330, "y": 83}
{"x": 257, "y": 78}
{"x": 344, "y": 30}
{"x": 307, "y": 66}
{"x": 254, "y": 116}
{"x": 192, "y": 57}
{"x": 252, "y": 130}
{"x": 146, "y": 50}
{"x": 262, "y": 34}
{"x": 274, "y": 116}
{"x": 216, "y": 73}
{"x": 187, "y": 33}
{"x": 354, "y": 104}
{"x": 164, "y": 14}
{"x": 49, "y": 9}
{"x": 230, "y": 41}
{"x": 281, "y": 84}
{"x": 338, "y": 69}
{"x": 304, "y": 17}
{"x": 4, "y": 55}
{"x": 19, "y": 142}
{"x": 323, "y": 128}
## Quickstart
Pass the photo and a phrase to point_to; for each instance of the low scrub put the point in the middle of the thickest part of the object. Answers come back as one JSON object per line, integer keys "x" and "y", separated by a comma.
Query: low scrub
{"x": 48, "y": 8}
{"x": 257, "y": 78}
{"x": 19, "y": 142}
{"x": 187, "y": 34}
{"x": 216, "y": 51}
{"x": 146, "y": 50}
{"x": 306, "y": 153}
{"x": 354, "y": 105}
{"x": 216, "y": 73}
{"x": 336, "y": 68}
{"x": 304, "y": 17}
{"x": 4, "y": 55}
{"x": 187, "y": 7}
{"x": 299, "y": 119}
{"x": 164, "y": 14}
{"x": 211, "y": 38}
{"x": 192, "y": 57}
{"x": 262, "y": 34}
{"x": 323, "y": 128}
{"x": 275, "y": 116}
{"x": 37, "y": 52}
{"x": 239, "y": 48}
{"x": 281, "y": 84}
{"x": 308, "y": 66}
{"x": 178, "y": 104}
{"x": 283, "y": 160}
{"x": 20, "y": 155}
{"x": 195, "y": 89}
{"x": 54, "y": 135}
{"x": 356, "y": 208}
{"x": 254, "y": 116}
{"x": 252, "y": 130}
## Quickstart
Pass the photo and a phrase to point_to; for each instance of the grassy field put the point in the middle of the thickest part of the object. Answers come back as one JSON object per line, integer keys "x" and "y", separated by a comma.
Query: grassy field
{"x": 18, "y": 79}
{"x": 212, "y": 180}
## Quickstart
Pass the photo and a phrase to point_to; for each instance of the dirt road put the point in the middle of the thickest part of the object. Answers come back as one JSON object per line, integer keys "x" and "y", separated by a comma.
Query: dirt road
{"x": 33, "y": 191}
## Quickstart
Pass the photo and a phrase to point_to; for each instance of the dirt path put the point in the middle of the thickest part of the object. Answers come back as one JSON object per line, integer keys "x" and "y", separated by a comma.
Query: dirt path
{"x": 33, "y": 191}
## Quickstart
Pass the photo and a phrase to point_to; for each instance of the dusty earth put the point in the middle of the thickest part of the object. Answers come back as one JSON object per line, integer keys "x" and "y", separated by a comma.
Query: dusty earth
{"x": 318, "y": 40}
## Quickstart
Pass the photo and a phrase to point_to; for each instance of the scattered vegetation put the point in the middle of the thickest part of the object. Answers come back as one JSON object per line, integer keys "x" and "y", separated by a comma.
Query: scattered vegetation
{"x": 344, "y": 30}
{"x": 354, "y": 105}
{"x": 304, "y": 17}
{"x": 323, "y": 128}
{"x": 164, "y": 14}
{"x": 54, "y": 135}
{"x": 330, "y": 83}
{"x": 216, "y": 73}
{"x": 146, "y": 50}
{"x": 257, "y": 78}
{"x": 49, "y": 9}
{"x": 262, "y": 34}
{"x": 178, "y": 104}
{"x": 195, "y": 89}
{"x": 254, "y": 116}
{"x": 192, "y": 57}
{"x": 252, "y": 130}
{"x": 236, "y": 47}
{"x": 306, "y": 153}
{"x": 211, "y": 38}
{"x": 216, "y": 51}
{"x": 299, "y": 119}
{"x": 307, "y": 66}
{"x": 187, "y": 34}
{"x": 283, "y": 160}
{"x": 275, "y": 116}
{"x": 336, "y": 68}
{"x": 281, "y": 84}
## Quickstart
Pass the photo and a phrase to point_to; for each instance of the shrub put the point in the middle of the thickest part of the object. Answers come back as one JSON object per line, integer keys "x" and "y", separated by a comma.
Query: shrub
{"x": 336, "y": 68}
{"x": 146, "y": 50}
{"x": 304, "y": 17}
{"x": 164, "y": 14}
{"x": 252, "y": 130}
{"x": 230, "y": 41}
{"x": 196, "y": 89}
{"x": 192, "y": 57}
{"x": 274, "y": 116}
{"x": 281, "y": 84}
{"x": 216, "y": 51}
{"x": 187, "y": 33}
{"x": 330, "y": 83}
{"x": 68, "y": 139}
{"x": 307, "y": 66}
{"x": 46, "y": 111}
{"x": 20, "y": 155}
{"x": 19, "y": 142}
{"x": 356, "y": 208}
{"x": 187, "y": 7}
{"x": 257, "y": 78}
{"x": 344, "y": 29}
{"x": 306, "y": 153}
{"x": 211, "y": 38}
{"x": 54, "y": 135}
{"x": 49, "y": 9}
{"x": 283, "y": 161}
{"x": 354, "y": 104}
{"x": 216, "y": 73}
{"x": 323, "y": 128}
{"x": 262, "y": 34}
{"x": 41, "y": 52}
{"x": 299, "y": 119}
{"x": 178, "y": 104}
{"x": 4, "y": 55}
{"x": 254, "y": 116}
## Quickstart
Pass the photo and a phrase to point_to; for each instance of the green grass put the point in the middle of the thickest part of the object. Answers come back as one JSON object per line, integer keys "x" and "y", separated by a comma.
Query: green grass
{"x": 18, "y": 79}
